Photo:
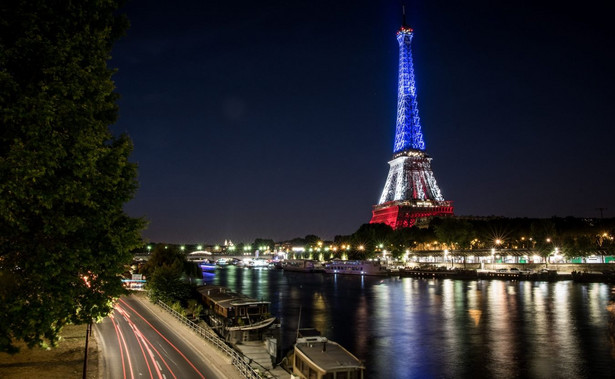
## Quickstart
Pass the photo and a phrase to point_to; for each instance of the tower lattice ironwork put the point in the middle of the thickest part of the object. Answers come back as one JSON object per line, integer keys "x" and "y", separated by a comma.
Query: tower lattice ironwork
{"x": 410, "y": 193}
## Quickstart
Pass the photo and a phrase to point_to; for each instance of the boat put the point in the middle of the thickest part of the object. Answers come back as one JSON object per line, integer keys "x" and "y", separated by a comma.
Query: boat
{"x": 222, "y": 262}
{"x": 303, "y": 265}
{"x": 236, "y": 317}
{"x": 253, "y": 263}
{"x": 356, "y": 268}
{"x": 258, "y": 263}
{"x": 316, "y": 357}
{"x": 206, "y": 265}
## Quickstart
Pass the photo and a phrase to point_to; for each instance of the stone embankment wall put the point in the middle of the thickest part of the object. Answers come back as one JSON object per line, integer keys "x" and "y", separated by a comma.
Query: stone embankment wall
{"x": 560, "y": 267}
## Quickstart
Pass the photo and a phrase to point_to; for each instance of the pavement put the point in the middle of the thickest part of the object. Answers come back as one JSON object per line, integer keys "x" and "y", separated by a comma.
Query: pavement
{"x": 217, "y": 362}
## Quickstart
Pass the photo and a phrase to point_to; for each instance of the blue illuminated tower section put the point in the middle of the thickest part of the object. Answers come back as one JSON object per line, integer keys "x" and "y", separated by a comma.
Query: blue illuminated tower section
{"x": 408, "y": 134}
{"x": 411, "y": 194}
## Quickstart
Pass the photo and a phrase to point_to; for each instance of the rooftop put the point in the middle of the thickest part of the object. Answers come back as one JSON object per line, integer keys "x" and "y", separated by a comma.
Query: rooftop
{"x": 327, "y": 355}
{"x": 227, "y": 298}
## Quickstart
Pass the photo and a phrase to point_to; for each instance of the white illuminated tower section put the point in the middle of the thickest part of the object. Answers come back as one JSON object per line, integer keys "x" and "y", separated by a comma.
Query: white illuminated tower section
{"x": 410, "y": 193}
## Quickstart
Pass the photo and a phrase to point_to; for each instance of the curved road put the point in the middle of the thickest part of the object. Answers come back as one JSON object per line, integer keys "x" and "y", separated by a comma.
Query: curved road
{"x": 135, "y": 343}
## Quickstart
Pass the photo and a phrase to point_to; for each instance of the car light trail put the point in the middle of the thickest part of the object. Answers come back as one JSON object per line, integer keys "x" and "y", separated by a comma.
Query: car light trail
{"x": 163, "y": 337}
{"x": 120, "y": 339}
{"x": 145, "y": 342}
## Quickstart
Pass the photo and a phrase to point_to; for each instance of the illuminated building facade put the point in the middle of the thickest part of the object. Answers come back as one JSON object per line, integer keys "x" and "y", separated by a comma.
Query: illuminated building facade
{"x": 411, "y": 194}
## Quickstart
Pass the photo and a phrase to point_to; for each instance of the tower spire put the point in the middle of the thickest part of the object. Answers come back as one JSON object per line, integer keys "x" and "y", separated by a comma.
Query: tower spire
{"x": 403, "y": 15}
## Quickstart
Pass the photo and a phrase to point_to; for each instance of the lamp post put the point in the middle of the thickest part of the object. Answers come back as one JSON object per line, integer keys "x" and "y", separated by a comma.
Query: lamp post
{"x": 88, "y": 331}
{"x": 548, "y": 240}
{"x": 497, "y": 243}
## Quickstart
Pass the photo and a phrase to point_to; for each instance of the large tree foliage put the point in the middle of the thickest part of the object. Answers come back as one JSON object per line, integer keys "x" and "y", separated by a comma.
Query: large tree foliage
{"x": 169, "y": 274}
{"x": 166, "y": 284}
{"x": 63, "y": 176}
{"x": 456, "y": 233}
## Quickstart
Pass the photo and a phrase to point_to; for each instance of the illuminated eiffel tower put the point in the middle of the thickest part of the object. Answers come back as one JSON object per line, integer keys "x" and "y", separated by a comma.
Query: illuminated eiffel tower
{"x": 411, "y": 194}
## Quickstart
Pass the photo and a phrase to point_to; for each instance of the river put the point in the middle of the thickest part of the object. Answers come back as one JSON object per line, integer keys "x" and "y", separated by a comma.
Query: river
{"x": 428, "y": 328}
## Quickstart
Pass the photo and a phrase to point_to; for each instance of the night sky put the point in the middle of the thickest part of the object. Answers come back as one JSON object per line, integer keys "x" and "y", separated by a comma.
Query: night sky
{"x": 275, "y": 119}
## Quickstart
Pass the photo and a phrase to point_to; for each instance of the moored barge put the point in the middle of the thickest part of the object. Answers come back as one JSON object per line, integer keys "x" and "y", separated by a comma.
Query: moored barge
{"x": 238, "y": 318}
{"x": 316, "y": 357}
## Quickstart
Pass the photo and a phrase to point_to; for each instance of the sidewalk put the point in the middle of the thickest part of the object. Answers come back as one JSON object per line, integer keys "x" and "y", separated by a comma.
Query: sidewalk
{"x": 219, "y": 361}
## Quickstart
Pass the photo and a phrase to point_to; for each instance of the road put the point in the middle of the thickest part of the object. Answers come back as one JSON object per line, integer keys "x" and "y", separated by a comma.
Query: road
{"x": 136, "y": 343}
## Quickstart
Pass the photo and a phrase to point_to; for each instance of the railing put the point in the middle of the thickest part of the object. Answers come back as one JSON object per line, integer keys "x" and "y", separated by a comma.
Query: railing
{"x": 240, "y": 361}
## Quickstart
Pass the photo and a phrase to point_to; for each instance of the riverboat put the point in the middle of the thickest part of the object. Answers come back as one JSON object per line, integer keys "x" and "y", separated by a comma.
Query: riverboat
{"x": 316, "y": 357}
{"x": 206, "y": 265}
{"x": 253, "y": 263}
{"x": 303, "y": 265}
{"x": 236, "y": 317}
{"x": 222, "y": 262}
{"x": 356, "y": 268}
{"x": 258, "y": 263}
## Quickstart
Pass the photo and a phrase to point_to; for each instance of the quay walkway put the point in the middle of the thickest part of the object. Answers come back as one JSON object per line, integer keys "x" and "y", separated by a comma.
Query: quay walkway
{"x": 544, "y": 275}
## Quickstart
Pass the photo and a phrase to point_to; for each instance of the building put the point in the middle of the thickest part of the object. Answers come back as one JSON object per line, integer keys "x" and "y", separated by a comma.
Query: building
{"x": 411, "y": 195}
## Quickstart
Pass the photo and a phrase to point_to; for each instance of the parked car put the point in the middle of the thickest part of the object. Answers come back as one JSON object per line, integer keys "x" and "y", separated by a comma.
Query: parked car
{"x": 515, "y": 270}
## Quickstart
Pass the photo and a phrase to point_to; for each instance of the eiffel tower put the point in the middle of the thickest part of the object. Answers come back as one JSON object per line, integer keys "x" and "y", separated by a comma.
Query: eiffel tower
{"x": 411, "y": 195}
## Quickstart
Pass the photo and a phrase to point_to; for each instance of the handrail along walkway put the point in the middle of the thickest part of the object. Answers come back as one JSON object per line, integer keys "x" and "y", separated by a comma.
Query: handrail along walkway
{"x": 240, "y": 361}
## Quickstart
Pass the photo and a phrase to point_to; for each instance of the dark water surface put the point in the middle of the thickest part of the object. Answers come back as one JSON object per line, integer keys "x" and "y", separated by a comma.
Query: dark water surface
{"x": 420, "y": 328}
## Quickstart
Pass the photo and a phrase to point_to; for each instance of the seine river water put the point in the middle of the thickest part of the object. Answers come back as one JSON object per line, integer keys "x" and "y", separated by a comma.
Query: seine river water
{"x": 427, "y": 328}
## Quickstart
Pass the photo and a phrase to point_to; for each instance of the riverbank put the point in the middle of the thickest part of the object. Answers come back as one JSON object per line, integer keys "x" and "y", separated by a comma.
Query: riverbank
{"x": 63, "y": 361}
{"x": 585, "y": 273}
{"x": 498, "y": 328}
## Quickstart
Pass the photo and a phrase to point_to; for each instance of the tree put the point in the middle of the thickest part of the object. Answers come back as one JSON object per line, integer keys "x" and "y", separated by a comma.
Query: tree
{"x": 166, "y": 284}
{"x": 373, "y": 235}
{"x": 544, "y": 233}
{"x": 169, "y": 274}
{"x": 311, "y": 239}
{"x": 165, "y": 255}
{"x": 64, "y": 177}
{"x": 454, "y": 233}
{"x": 263, "y": 244}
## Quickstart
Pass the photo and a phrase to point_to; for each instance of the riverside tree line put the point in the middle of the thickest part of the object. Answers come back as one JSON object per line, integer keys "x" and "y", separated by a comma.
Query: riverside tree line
{"x": 572, "y": 236}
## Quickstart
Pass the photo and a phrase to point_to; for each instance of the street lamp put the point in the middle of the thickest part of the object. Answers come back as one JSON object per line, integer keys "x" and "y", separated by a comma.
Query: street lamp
{"x": 556, "y": 254}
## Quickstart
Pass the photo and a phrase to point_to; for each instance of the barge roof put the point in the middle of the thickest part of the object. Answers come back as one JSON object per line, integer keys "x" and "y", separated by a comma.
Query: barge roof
{"x": 226, "y": 298}
{"x": 327, "y": 355}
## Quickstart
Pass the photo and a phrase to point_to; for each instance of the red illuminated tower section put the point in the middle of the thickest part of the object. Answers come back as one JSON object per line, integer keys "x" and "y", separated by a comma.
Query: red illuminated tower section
{"x": 411, "y": 194}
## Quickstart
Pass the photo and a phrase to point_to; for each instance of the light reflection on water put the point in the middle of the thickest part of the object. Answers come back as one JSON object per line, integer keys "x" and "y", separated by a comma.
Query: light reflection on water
{"x": 419, "y": 328}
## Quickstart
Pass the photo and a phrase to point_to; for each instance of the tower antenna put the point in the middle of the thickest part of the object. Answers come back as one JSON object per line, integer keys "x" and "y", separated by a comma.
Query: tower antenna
{"x": 403, "y": 15}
